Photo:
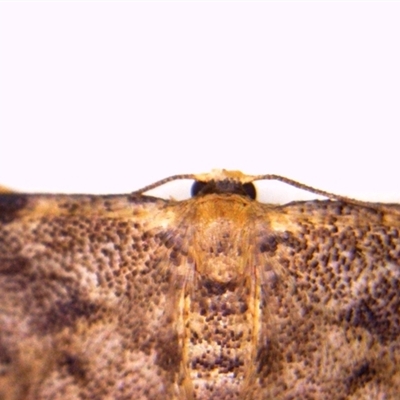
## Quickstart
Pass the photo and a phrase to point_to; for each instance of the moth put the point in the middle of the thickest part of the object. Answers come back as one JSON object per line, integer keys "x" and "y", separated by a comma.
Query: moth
{"x": 215, "y": 297}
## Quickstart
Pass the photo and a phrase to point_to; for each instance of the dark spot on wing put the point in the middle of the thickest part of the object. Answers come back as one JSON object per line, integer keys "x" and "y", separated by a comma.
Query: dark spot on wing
{"x": 74, "y": 366}
{"x": 360, "y": 376}
{"x": 269, "y": 359}
{"x": 269, "y": 244}
{"x": 66, "y": 313}
{"x": 381, "y": 320}
{"x": 5, "y": 356}
{"x": 290, "y": 240}
{"x": 10, "y": 204}
{"x": 169, "y": 354}
{"x": 14, "y": 266}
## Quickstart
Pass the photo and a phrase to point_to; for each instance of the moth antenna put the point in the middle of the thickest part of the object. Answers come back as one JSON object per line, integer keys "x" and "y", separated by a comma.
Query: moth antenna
{"x": 302, "y": 186}
{"x": 163, "y": 182}
{"x": 274, "y": 177}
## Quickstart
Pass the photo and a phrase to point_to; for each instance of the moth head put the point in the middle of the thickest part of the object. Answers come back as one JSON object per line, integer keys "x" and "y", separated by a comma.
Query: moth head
{"x": 200, "y": 188}
{"x": 221, "y": 181}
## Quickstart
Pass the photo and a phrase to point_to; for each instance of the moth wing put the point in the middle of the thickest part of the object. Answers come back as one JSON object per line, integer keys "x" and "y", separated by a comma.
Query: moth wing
{"x": 330, "y": 276}
{"x": 83, "y": 286}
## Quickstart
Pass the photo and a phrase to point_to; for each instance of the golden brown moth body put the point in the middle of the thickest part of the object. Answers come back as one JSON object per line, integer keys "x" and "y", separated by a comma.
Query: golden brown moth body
{"x": 214, "y": 297}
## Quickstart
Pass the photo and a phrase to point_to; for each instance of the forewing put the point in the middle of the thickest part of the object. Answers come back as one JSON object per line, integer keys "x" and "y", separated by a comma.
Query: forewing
{"x": 83, "y": 288}
{"x": 331, "y": 300}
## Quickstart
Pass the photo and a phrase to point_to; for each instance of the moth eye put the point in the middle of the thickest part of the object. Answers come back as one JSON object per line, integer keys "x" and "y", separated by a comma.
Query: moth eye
{"x": 250, "y": 190}
{"x": 197, "y": 187}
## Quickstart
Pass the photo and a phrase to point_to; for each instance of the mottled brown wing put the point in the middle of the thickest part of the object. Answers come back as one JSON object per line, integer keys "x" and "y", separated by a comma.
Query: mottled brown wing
{"x": 331, "y": 301}
{"x": 120, "y": 297}
{"x": 83, "y": 298}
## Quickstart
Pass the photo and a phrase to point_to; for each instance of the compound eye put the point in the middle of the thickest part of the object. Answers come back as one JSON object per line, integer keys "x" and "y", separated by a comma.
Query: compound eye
{"x": 250, "y": 190}
{"x": 197, "y": 187}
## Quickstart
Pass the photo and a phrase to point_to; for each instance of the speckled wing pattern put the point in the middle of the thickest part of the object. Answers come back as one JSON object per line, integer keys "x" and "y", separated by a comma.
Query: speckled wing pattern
{"x": 215, "y": 297}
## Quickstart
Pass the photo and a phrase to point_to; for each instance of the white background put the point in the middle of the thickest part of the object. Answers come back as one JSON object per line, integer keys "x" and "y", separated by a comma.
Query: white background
{"x": 108, "y": 97}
